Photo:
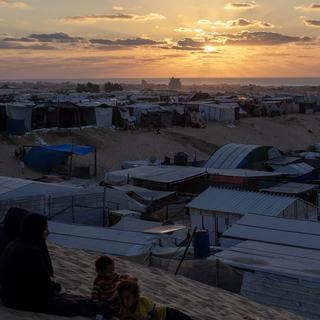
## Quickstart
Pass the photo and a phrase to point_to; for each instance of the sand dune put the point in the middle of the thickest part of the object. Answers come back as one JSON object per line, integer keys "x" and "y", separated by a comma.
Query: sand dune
{"x": 295, "y": 131}
{"x": 74, "y": 269}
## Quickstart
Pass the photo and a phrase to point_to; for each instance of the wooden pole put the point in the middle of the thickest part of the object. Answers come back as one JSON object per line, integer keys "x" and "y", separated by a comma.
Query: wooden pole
{"x": 95, "y": 162}
{"x": 186, "y": 250}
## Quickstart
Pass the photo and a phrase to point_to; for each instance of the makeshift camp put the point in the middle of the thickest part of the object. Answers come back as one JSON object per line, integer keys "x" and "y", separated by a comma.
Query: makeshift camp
{"x": 131, "y": 244}
{"x": 217, "y": 209}
{"x": 304, "y": 191}
{"x": 282, "y": 276}
{"x": 224, "y": 112}
{"x": 18, "y": 119}
{"x": 46, "y": 158}
{"x": 241, "y": 156}
{"x": 276, "y": 230}
{"x": 63, "y": 115}
{"x": 243, "y": 179}
{"x": 164, "y": 178}
{"x": 104, "y": 116}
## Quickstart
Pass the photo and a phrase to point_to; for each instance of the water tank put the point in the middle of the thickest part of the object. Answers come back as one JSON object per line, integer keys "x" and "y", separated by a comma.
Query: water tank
{"x": 201, "y": 244}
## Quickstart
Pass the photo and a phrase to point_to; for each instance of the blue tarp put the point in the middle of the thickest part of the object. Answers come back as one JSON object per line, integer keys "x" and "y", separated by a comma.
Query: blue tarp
{"x": 46, "y": 158}
{"x": 71, "y": 149}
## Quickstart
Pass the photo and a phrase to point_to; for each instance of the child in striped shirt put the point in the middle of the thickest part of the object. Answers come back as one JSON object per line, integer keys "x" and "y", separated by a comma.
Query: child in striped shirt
{"x": 107, "y": 280}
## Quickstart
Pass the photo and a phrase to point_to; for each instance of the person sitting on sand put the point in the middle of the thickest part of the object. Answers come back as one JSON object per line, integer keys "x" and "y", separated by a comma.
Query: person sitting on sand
{"x": 26, "y": 275}
{"x": 107, "y": 280}
{"x": 134, "y": 307}
{"x": 10, "y": 226}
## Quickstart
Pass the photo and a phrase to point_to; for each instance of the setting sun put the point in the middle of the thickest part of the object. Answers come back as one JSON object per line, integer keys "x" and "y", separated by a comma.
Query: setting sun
{"x": 209, "y": 49}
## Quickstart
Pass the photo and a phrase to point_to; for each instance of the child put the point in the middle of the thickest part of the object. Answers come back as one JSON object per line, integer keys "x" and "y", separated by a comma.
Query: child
{"x": 107, "y": 280}
{"x": 134, "y": 307}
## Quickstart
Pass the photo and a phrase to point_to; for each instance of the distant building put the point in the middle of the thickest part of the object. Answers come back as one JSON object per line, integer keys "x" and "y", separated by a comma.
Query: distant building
{"x": 175, "y": 84}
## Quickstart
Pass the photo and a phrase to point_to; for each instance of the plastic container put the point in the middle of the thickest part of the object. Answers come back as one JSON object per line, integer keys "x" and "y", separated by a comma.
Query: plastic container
{"x": 201, "y": 244}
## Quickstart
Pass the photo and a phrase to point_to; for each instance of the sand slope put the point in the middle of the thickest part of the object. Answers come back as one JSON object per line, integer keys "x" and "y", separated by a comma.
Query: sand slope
{"x": 74, "y": 268}
{"x": 295, "y": 131}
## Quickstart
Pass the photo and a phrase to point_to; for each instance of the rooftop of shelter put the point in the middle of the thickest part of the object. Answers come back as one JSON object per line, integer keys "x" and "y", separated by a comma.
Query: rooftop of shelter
{"x": 291, "y": 188}
{"x": 244, "y": 173}
{"x": 162, "y": 174}
{"x": 284, "y": 260}
{"x": 75, "y": 270}
{"x": 232, "y": 156}
{"x": 240, "y": 202}
{"x": 281, "y": 231}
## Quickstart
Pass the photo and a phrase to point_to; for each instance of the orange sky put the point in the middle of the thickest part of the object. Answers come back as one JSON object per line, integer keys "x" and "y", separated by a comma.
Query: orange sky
{"x": 186, "y": 38}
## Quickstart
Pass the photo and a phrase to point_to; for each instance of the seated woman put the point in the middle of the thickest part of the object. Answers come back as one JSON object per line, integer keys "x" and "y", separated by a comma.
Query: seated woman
{"x": 26, "y": 271}
{"x": 10, "y": 226}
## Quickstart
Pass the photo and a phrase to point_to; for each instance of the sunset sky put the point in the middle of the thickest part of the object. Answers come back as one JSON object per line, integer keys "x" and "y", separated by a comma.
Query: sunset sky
{"x": 67, "y": 39}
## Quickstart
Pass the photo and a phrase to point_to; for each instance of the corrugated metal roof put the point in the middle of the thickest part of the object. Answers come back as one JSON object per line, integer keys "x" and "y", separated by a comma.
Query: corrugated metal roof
{"x": 242, "y": 173}
{"x": 110, "y": 241}
{"x": 144, "y": 193}
{"x": 296, "y": 169}
{"x": 241, "y": 202}
{"x": 276, "y": 259}
{"x": 11, "y": 188}
{"x": 295, "y": 233}
{"x": 163, "y": 174}
{"x": 291, "y": 188}
{"x": 230, "y": 156}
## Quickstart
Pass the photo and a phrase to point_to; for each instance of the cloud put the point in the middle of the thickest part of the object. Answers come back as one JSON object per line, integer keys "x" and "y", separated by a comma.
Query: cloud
{"x": 311, "y": 23}
{"x": 311, "y": 7}
{"x": 241, "y": 5}
{"x": 187, "y": 30}
{"x": 242, "y": 23}
{"x": 256, "y": 38}
{"x": 117, "y": 8}
{"x": 113, "y": 17}
{"x": 55, "y": 37}
{"x": 4, "y": 44}
{"x": 15, "y": 4}
{"x": 203, "y": 22}
{"x": 120, "y": 43}
{"x": 46, "y": 37}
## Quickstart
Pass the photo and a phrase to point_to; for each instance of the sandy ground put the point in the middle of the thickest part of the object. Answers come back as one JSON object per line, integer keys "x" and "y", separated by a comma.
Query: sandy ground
{"x": 74, "y": 269}
{"x": 292, "y": 132}
{"x": 286, "y": 132}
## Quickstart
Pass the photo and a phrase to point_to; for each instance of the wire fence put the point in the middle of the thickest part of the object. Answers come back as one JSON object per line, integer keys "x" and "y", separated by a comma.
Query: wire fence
{"x": 82, "y": 208}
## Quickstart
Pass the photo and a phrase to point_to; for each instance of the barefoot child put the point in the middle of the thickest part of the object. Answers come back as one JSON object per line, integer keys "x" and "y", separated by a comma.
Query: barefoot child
{"x": 134, "y": 307}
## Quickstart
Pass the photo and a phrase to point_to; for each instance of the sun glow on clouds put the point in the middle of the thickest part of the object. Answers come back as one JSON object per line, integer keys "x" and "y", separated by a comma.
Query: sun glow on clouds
{"x": 209, "y": 49}
{"x": 113, "y": 38}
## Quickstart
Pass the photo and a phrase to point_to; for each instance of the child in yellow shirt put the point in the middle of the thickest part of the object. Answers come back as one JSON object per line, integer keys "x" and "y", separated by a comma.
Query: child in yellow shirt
{"x": 134, "y": 307}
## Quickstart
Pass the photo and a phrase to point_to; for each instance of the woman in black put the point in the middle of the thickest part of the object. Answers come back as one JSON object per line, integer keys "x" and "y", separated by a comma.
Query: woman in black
{"x": 26, "y": 271}
{"x": 10, "y": 226}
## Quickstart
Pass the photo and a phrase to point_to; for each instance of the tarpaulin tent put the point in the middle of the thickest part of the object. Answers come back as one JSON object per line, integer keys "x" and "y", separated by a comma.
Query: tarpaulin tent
{"x": 46, "y": 158}
{"x": 18, "y": 119}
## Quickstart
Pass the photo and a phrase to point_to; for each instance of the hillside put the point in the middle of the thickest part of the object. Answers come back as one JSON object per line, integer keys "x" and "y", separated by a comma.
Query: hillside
{"x": 286, "y": 132}
{"x": 198, "y": 300}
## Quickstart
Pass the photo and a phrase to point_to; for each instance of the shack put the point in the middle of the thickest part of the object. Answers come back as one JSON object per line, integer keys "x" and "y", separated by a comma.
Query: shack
{"x": 251, "y": 180}
{"x": 282, "y": 276}
{"x": 242, "y": 156}
{"x": 217, "y": 209}
{"x": 186, "y": 180}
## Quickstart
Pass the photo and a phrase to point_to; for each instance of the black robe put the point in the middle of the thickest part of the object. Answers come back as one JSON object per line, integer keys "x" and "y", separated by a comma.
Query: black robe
{"x": 25, "y": 276}
{"x": 10, "y": 227}
{"x": 26, "y": 271}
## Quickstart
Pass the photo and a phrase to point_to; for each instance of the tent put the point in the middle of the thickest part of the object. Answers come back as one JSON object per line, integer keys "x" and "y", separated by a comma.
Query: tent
{"x": 46, "y": 158}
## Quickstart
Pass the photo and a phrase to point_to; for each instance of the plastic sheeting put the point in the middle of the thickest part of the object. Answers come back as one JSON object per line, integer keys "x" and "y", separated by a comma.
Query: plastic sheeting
{"x": 46, "y": 158}
{"x": 70, "y": 149}
{"x": 18, "y": 119}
